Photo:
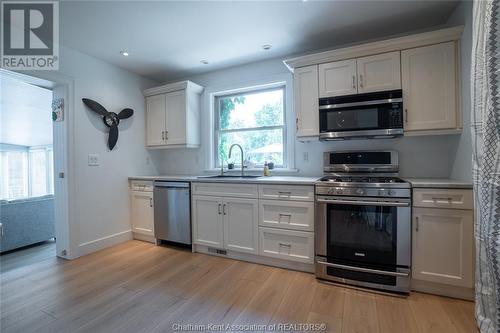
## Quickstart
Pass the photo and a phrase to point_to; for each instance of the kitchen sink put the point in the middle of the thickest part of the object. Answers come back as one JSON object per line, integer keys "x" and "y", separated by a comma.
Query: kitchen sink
{"x": 231, "y": 177}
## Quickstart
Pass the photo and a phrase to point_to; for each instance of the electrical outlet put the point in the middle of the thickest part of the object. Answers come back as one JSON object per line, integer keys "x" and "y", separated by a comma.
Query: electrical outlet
{"x": 305, "y": 156}
{"x": 93, "y": 159}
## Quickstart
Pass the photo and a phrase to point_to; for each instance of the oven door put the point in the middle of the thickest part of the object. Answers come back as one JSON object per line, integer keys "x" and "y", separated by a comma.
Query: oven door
{"x": 364, "y": 242}
{"x": 363, "y": 119}
{"x": 361, "y": 231}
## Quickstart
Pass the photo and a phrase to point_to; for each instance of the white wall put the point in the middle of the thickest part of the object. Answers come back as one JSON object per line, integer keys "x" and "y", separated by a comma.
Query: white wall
{"x": 425, "y": 156}
{"x": 101, "y": 217}
{"x": 462, "y": 166}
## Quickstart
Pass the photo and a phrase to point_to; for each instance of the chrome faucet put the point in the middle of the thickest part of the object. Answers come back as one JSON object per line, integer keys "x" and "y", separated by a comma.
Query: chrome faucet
{"x": 230, "y": 150}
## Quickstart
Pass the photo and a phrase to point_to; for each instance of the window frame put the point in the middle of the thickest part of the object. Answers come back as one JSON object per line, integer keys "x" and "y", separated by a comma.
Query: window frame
{"x": 216, "y": 124}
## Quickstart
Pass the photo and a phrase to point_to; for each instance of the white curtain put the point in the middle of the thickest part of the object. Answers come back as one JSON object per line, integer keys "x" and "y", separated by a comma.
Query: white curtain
{"x": 485, "y": 73}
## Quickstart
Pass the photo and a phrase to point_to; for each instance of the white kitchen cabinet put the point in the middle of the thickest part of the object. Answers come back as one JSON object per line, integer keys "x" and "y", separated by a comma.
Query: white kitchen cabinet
{"x": 207, "y": 221}
{"x": 338, "y": 78}
{"x": 379, "y": 72}
{"x": 241, "y": 225}
{"x": 226, "y": 223}
{"x": 429, "y": 81}
{"x": 286, "y": 214}
{"x": 142, "y": 212}
{"x": 305, "y": 82}
{"x": 287, "y": 244}
{"x": 173, "y": 115}
{"x": 443, "y": 246}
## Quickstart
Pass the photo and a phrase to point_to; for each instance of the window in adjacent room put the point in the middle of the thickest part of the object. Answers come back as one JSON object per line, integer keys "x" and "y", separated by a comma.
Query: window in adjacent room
{"x": 254, "y": 119}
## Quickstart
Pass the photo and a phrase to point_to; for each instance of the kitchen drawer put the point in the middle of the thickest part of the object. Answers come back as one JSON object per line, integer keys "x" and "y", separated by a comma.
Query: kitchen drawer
{"x": 225, "y": 190}
{"x": 141, "y": 185}
{"x": 443, "y": 198}
{"x": 286, "y": 244}
{"x": 286, "y": 214}
{"x": 287, "y": 192}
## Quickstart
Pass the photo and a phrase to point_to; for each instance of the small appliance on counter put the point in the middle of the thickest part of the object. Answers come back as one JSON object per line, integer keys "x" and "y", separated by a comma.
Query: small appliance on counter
{"x": 363, "y": 223}
{"x": 370, "y": 115}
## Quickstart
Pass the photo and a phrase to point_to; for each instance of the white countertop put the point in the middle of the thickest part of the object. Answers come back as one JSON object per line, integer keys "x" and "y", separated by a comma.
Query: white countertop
{"x": 439, "y": 183}
{"x": 293, "y": 180}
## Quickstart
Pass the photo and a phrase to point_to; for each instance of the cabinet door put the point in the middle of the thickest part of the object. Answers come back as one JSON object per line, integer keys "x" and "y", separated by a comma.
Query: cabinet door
{"x": 241, "y": 225}
{"x": 379, "y": 72}
{"x": 142, "y": 212}
{"x": 305, "y": 83}
{"x": 429, "y": 87}
{"x": 443, "y": 246}
{"x": 207, "y": 221}
{"x": 155, "y": 120}
{"x": 176, "y": 118}
{"x": 337, "y": 78}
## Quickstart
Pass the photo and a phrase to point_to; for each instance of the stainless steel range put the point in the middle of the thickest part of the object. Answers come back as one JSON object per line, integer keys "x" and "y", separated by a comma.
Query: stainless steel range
{"x": 363, "y": 224}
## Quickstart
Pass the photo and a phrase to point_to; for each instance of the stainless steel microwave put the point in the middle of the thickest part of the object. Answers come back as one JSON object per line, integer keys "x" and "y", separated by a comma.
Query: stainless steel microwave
{"x": 371, "y": 115}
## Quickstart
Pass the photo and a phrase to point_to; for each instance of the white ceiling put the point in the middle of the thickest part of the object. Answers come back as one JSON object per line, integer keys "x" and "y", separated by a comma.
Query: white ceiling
{"x": 25, "y": 113}
{"x": 167, "y": 39}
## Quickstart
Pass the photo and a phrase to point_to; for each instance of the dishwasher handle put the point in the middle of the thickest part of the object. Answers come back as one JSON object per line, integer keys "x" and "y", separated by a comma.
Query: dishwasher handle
{"x": 171, "y": 184}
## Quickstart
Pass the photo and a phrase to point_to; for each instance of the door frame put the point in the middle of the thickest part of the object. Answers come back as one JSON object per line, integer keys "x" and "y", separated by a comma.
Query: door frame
{"x": 63, "y": 145}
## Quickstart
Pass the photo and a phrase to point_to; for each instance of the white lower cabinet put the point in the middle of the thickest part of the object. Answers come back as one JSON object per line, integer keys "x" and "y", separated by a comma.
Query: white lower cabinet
{"x": 207, "y": 221}
{"x": 287, "y": 244}
{"x": 226, "y": 223}
{"x": 240, "y": 224}
{"x": 443, "y": 246}
{"x": 287, "y": 214}
{"x": 142, "y": 212}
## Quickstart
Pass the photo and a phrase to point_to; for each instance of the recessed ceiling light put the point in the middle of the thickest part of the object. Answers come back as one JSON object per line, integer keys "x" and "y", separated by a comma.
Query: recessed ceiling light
{"x": 266, "y": 47}
{"x": 124, "y": 53}
{"x": 204, "y": 62}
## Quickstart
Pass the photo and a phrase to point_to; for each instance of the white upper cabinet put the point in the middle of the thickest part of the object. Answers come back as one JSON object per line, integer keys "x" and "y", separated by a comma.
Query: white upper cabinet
{"x": 379, "y": 72}
{"x": 305, "y": 82}
{"x": 173, "y": 115}
{"x": 338, "y": 78}
{"x": 429, "y": 80}
{"x": 155, "y": 120}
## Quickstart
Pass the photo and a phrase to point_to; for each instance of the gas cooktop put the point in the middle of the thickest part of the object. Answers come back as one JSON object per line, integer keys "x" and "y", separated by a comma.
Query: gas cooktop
{"x": 361, "y": 179}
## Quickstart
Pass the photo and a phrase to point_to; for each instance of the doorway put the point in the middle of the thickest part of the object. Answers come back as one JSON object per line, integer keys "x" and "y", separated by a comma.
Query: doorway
{"x": 34, "y": 148}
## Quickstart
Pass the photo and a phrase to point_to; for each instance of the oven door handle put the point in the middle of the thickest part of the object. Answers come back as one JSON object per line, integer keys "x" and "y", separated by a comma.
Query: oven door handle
{"x": 361, "y": 269}
{"x": 362, "y": 202}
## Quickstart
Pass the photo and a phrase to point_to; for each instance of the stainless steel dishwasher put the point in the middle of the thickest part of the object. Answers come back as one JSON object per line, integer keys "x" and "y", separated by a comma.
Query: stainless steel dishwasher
{"x": 172, "y": 212}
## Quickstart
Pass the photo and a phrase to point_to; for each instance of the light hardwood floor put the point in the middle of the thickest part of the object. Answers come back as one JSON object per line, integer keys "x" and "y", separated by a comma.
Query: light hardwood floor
{"x": 139, "y": 287}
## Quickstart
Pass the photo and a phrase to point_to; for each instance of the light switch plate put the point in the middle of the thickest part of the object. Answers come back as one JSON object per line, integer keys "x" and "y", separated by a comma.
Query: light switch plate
{"x": 93, "y": 159}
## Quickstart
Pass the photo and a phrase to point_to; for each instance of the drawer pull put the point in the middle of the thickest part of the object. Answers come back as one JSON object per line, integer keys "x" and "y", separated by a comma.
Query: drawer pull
{"x": 219, "y": 209}
{"x": 442, "y": 199}
{"x": 285, "y": 245}
{"x": 287, "y": 193}
{"x": 416, "y": 223}
{"x": 286, "y": 215}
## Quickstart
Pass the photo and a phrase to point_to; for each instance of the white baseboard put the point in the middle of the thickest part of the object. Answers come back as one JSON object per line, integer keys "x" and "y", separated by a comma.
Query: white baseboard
{"x": 104, "y": 242}
{"x": 297, "y": 266}
{"x": 144, "y": 238}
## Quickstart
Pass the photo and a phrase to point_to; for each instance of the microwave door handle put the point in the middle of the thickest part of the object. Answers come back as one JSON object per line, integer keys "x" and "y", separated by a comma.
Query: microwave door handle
{"x": 363, "y": 203}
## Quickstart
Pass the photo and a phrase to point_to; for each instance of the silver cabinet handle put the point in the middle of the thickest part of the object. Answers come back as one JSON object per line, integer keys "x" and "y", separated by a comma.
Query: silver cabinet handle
{"x": 285, "y": 245}
{"x": 219, "y": 209}
{"x": 150, "y": 202}
{"x": 416, "y": 223}
{"x": 406, "y": 115}
{"x": 361, "y": 80}
{"x": 224, "y": 209}
{"x": 283, "y": 214}
{"x": 287, "y": 193}
{"x": 163, "y": 135}
{"x": 442, "y": 199}
{"x": 361, "y": 269}
{"x": 166, "y": 135}
{"x": 354, "y": 81}
{"x": 297, "y": 123}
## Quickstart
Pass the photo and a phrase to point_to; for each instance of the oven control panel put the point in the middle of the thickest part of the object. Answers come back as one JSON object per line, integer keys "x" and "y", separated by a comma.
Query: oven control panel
{"x": 364, "y": 192}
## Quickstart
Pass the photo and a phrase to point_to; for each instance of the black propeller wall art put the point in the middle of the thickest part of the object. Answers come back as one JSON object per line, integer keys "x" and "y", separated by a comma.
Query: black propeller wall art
{"x": 110, "y": 119}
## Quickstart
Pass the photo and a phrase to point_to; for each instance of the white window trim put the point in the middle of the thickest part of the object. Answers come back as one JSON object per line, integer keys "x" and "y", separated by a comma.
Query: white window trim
{"x": 279, "y": 80}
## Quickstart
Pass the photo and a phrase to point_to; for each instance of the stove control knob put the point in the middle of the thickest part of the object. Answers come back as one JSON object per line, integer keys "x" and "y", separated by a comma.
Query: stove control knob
{"x": 360, "y": 191}
{"x": 391, "y": 192}
{"x": 382, "y": 192}
{"x": 338, "y": 190}
{"x": 331, "y": 191}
